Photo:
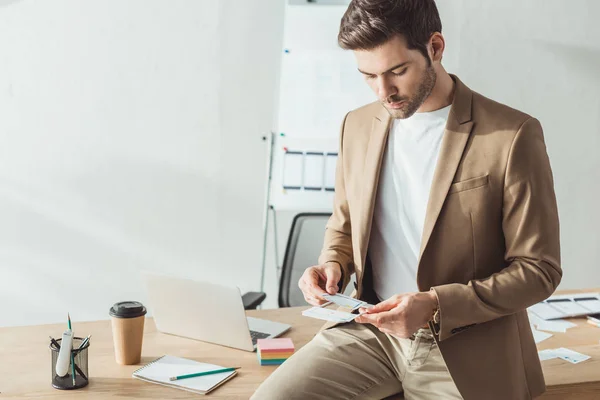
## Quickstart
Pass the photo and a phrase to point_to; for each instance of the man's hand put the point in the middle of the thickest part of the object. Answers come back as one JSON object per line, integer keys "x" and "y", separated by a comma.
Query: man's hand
{"x": 401, "y": 315}
{"x": 320, "y": 279}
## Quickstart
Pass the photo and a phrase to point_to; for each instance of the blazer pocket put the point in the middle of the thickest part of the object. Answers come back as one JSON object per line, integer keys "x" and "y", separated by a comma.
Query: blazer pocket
{"x": 469, "y": 184}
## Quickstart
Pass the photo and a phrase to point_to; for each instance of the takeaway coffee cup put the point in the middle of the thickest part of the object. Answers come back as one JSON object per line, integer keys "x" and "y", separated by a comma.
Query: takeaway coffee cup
{"x": 128, "y": 331}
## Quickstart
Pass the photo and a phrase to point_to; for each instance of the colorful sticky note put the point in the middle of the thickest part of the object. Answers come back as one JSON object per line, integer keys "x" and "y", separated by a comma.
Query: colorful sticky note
{"x": 275, "y": 345}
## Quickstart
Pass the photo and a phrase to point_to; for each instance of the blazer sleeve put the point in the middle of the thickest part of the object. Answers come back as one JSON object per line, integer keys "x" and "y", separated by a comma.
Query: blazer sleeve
{"x": 337, "y": 245}
{"x": 531, "y": 231}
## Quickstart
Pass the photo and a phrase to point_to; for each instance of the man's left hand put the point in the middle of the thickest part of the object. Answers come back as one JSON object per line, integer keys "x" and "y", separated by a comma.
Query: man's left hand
{"x": 401, "y": 315}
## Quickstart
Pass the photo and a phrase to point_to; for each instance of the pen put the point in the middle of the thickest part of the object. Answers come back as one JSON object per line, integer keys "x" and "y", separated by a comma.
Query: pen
{"x": 216, "y": 371}
{"x": 54, "y": 342}
{"x": 84, "y": 342}
{"x": 80, "y": 372}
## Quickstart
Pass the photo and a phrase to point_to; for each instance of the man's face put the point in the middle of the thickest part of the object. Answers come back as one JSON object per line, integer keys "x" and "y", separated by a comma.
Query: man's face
{"x": 401, "y": 78}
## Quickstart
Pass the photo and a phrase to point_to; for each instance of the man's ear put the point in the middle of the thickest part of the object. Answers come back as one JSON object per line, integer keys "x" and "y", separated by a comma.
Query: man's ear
{"x": 436, "y": 47}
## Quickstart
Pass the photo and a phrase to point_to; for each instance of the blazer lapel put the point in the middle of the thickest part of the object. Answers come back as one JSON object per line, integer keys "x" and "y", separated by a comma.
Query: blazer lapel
{"x": 456, "y": 135}
{"x": 371, "y": 171}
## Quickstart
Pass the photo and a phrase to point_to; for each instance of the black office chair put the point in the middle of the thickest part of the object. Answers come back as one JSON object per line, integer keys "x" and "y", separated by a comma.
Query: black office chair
{"x": 304, "y": 245}
{"x": 252, "y": 300}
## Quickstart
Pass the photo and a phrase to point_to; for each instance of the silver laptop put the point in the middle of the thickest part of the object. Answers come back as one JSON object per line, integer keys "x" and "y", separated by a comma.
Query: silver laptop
{"x": 205, "y": 311}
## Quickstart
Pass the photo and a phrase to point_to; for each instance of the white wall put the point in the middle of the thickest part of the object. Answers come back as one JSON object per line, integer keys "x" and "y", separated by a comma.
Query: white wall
{"x": 130, "y": 139}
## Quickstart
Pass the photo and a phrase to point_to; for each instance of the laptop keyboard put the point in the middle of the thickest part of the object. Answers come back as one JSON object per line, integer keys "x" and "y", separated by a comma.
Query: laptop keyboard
{"x": 258, "y": 335}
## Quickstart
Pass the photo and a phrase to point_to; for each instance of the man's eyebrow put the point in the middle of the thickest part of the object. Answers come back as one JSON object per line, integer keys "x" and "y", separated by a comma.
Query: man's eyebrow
{"x": 391, "y": 69}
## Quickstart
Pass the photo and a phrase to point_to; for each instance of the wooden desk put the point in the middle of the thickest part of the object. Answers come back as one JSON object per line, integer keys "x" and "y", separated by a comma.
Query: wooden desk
{"x": 25, "y": 370}
{"x": 566, "y": 381}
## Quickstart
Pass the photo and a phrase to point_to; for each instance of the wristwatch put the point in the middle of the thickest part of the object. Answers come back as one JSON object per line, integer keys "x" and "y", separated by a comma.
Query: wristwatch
{"x": 435, "y": 319}
{"x": 436, "y": 316}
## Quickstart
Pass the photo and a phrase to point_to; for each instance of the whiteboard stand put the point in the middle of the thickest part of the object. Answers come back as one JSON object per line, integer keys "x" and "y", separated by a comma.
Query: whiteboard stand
{"x": 268, "y": 208}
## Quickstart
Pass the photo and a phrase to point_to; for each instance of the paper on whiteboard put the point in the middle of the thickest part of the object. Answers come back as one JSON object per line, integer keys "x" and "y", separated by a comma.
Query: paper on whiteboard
{"x": 314, "y": 165}
{"x": 330, "y": 164}
{"x": 292, "y": 170}
{"x": 299, "y": 200}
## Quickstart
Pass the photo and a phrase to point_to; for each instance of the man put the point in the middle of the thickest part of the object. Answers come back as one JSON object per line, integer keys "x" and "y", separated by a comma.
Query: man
{"x": 445, "y": 210}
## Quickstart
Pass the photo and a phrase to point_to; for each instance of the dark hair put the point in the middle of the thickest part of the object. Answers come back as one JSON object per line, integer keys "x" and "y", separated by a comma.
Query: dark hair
{"x": 367, "y": 24}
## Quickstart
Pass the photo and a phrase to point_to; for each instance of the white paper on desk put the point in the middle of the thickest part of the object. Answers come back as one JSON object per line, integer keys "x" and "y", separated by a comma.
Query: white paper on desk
{"x": 555, "y": 325}
{"x": 547, "y": 354}
{"x": 533, "y": 318}
{"x": 592, "y": 304}
{"x": 575, "y": 296}
{"x": 329, "y": 314}
{"x": 571, "y": 356}
{"x": 545, "y": 311}
{"x": 568, "y": 307}
{"x": 539, "y": 336}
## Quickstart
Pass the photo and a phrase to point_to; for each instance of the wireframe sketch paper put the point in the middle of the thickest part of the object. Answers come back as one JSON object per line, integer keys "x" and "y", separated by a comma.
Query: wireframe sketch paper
{"x": 539, "y": 336}
{"x": 292, "y": 170}
{"x": 327, "y": 314}
{"x": 330, "y": 163}
{"x": 314, "y": 169}
{"x": 569, "y": 355}
{"x": 563, "y": 306}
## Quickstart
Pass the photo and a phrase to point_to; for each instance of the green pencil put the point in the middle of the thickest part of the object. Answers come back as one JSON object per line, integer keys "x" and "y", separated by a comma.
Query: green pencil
{"x": 71, "y": 350}
{"x": 216, "y": 371}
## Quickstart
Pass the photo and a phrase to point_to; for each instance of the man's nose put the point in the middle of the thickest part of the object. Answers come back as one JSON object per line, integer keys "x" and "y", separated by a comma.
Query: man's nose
{"x": 385, "y": 88}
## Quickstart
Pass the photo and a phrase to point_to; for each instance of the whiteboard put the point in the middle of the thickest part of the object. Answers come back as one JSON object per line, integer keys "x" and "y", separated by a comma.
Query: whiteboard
{"x": 319, "y": 84}
{"x": 293, "y": 184}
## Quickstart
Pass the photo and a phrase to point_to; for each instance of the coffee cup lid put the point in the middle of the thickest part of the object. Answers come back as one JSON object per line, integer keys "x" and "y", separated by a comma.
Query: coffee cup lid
{"x": 127, "y": 309}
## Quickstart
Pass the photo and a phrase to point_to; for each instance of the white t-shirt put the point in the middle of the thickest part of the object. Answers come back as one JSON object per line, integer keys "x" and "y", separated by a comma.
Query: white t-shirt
{"x": 405, "y": 180}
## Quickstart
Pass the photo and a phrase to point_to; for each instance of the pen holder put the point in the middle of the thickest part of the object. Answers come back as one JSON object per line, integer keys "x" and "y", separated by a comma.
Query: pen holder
{"x": 80, "y": 357}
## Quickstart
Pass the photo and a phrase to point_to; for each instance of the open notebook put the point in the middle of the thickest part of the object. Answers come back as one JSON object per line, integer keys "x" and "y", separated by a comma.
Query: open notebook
{"x": 160, "y": 370}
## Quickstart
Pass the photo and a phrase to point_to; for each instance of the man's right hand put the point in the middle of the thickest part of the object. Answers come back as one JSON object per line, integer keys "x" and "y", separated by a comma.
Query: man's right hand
{"x": 319, "y": 279}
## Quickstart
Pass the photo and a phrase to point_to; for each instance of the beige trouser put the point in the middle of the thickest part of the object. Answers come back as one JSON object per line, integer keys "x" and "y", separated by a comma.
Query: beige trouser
{"x": 356, "y": 361}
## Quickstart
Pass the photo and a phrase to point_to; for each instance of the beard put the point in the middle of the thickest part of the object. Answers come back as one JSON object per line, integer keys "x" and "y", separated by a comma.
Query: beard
{"x": 412, "y": 105}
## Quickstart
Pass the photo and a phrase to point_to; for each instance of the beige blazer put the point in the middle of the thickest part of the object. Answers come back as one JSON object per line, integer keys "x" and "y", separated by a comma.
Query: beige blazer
{"x": 490, "y": 245}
